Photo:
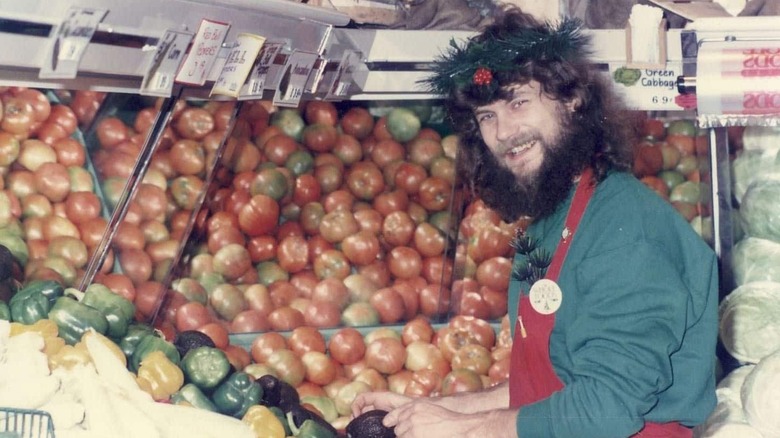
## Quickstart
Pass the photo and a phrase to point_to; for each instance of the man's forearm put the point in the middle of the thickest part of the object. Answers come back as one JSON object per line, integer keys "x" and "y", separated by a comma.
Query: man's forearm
{"x": 489, "y": 399}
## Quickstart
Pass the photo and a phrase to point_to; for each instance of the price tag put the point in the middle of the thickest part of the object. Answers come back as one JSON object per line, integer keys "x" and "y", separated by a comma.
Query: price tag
{"x": 263, "y": 69}
{"x": 71, "y": 38}
{"x": 292, "y": 83}
{"x": 649, "y": 88}
{"x": 238, "y": 64}
{"x": 203, "y": 53}
{"x": 342, "y": 80}
{"x": 167, "y": 58}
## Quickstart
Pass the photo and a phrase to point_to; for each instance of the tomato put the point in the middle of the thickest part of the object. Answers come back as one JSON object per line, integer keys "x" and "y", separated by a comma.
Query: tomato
{"x": 494, "y": 273}
{"x": 332, "y": 263}
{"x": 277, "y": 149}
{"x": 148, "y": 296}
{"x": 386, "y": 355}
{"x": 64, "y": 116}
{"x": 232, "y": 261}
{"x": 380, "y": 131}
{"x": 434, "y": 300}
{"x": 288, "y": 367}
{"x": 428, "y": 240}
{"x": 322, "y": 314}
{"x": 120, "y": 284}
{"x": 365, "y": 180}
{"x": 347, "y": 346}
{"x": 111, "y": 131}
{"x": 270, "y": 182}
{"x": 185, "y": 191}
{"x": 437, "y": 269}
{"x": 389, "y": 202}
{"x": 398, "y": 228}
{"x": 409, "y": 177}
{"x": 259, "y": 216}
{"x": 265, "y": 344}
{"x": 348, "y": 149}
{"x": 424, "y": 151}
{"x": 461, "y": 380}
{"x": 285, "y": 318}
{"x": 404, "y": 262}
{"x": 389, "y": 304}
{"x": 293, "y": 253}
{"x": 339, "y": 199}
{"x": 69, "y": 152}
{"x": 85, "y": 105}
{"x": 378, "y": 273}
{"x": 320, "y": 137}
{"x": 311, "y": 216}
{"x": 136, "y": 264}
{"x": 129, "y": 235}
{"x": 192, "y": 315}
{"x": 227, "y": 301}
{"x": 50, "y": 133}
{"x": 33, "y": 153}
{"x": 39, "y": 102}
{"x": 329, "y": 177}
{"x": 249, "y": 321}
{"x": 306, "y": 190}
{"x": 435, "y": 194}
{"x": 489, "y": 241}
{"x": 320, "y": 112}
{"x": 320, "y": 369}
{"x": 386, "y": 152}
{"x": 338, "y": 225}
{"x": 53, "y": 181}
{"x": 357, "y": 122}
{"x": 417, "y": 329}
{"x": 188, "y": 157}
{"x": 18, "y": 116}
{"x": 306, "y": 339}
{"x": 194, "y": 123}
{"x": 361, "y": 248}
{"x": 475, "y": 328}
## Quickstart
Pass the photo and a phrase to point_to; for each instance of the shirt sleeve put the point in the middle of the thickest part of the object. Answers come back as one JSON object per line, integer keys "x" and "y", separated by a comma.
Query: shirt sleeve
{"x": 630, "y": 318}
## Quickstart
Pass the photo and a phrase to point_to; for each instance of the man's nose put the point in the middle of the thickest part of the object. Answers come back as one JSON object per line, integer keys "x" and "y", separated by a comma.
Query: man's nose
{"x": 505, "y": 128}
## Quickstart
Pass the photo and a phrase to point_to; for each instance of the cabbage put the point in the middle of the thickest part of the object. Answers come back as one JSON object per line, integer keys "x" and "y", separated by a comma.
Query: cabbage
{"x": 730, "y": 430}
{"x": 752, "y": 166}
{"x": 755, "y": 259}
{"x": 764, "y": 138}
{"x": 760, "y": 210}
{"x": 750, "y": 321}
{"x": 730, "y": 387}
{"x": 761, "y": 396}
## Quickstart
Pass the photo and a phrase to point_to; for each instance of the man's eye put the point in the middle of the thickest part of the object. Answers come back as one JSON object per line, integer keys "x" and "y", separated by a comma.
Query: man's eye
{"x": 483, "y": 117}
{"x": 518, "y": 103}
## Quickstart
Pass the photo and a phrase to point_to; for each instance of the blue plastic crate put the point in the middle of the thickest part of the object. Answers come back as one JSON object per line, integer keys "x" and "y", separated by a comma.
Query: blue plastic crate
{"x": 25, "y": 423}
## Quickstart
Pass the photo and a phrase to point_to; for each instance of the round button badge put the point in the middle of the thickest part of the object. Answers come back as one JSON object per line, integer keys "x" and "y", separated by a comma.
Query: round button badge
{"x": 545, "y": 296}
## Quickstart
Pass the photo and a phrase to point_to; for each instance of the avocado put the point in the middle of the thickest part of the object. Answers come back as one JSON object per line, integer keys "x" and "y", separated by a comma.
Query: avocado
{"x": 190, "y": 339}
{"x": 369, "y": 425}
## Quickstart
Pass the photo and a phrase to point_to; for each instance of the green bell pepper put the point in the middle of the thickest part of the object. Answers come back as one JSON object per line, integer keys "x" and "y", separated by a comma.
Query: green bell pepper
{"x": 135, "y": 333}
{"x": 236, "y": 394}
{"x": 279, "y": 413}
{"x": 73, "y": 319}
{"x": 152, "y": 343}
{"x": 189, "y": 394}
{"x": 206, "y": 367}
{"x": 314, "y": 429}
{"x": 5, "y": 311}
{"x": 119, "y": 311}
{"x": 34, "y": 301}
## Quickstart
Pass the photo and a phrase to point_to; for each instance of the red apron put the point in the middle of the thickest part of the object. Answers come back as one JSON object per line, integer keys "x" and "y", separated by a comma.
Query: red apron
{"x": 532, "y": 377}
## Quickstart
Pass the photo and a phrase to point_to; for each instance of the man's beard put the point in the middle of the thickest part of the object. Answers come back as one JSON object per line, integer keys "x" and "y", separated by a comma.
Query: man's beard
{"x": 537, "y": 196}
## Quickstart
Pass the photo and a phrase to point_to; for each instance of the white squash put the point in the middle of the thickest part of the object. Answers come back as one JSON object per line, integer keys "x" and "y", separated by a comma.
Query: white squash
{"x": 750, "y": 321}
{"x": 761, "y": 396}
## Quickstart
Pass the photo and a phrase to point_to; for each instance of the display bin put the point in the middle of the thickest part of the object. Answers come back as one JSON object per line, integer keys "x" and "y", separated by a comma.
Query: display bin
{"x": 25, "y": 423}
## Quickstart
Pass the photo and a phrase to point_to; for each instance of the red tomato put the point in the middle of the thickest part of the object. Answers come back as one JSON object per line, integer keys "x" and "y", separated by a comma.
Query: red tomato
{"x": 224, "y": 236}
{"x": 417, "y": 329}
{"x": 435, "y": 194}
{"x": 424, "y": 151}
{"x": 136, "y": 264}
{"x": 409, "y": 177}
{"x": 18, "y": 116}
{"x": 232, "y": 261}
{"x": 186, "y": 190}
{"x": 332, "y": 263}
{"x": 277, "y": 149}
{"x": 53, "y": 181}
{"x": 361, "y": 248}
{"x": 305, "y": 339}
{"x": 249, "y": 321}
{"x": 398, "y": 228}
{"x": 404, "y": 262}
{"x": 148, "y": 296}
{"x": 194, "y": 123}
{"x": 386, "y": 355}
{"x": 217, "y": 332}
{"x": 111, "y": 131}
{"x": 69, "y": 152}
{"x": 389, "y": 304}
{"x": 348, "y": 149}
{"x": 428, "y": 240}
{"x": 320, "y": 369}
{"x": 329, "y": 177}
{"x": 377, "y": 272}
{"x": 389, "y": 202}
{"x": 386, "y": 152}
{"x": 120, "y": 284}
{"x": 476, "y": 328}
{"x": 494, "y": 273}
{"x": 357, "y": 122}
{"x": 320, "y": 137}
{"x": 293, "y": 253}
{"x": 347, "y": 346}
{"x": 288, "y": 367}
{"x": 320, "y": 111}
{"x": 188, "y": 157}
{"x": 265, "y": 344}
{"x": 285, "y": 318}
{"x": 65, "y": 117}
{"x": 437, "y": 269}
{"x": 259, "y": 216}
{"x": 307, "y": 189}
{"x": 322, "y": 314}
{"x": 434, "y": 300}
{"x": 338, "y": 225}
{"x": 339, "y": 199}
{"x": 365, "y": 180}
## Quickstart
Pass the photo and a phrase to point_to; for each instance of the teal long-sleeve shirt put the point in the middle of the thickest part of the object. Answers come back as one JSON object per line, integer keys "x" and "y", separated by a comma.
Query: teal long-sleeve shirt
{"x": 634, "y": 339}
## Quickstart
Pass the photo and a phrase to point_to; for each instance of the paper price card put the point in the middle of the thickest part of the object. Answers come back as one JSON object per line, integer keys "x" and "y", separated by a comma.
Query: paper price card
{"x": 168, "y": 55}
{"x": 70, "y": 41}
{"x": 263, "y": 70}
{"x": 238, "y": 64}
{"x": 342, "y": 81}
{"x": 203, "y": 53}
{"x": 292, "y": 83}
{"x": 649, "y": 88}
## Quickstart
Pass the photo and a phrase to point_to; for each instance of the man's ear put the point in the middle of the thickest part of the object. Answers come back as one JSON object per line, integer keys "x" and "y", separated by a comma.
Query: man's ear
{"x": 573, "y": 104}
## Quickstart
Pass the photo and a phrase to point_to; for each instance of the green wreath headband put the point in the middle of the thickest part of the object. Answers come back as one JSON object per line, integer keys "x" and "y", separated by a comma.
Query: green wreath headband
{"x": 477, "y": 62}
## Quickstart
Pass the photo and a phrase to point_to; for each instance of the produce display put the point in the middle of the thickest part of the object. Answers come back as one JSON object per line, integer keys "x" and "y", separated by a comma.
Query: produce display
{"x": 672, "y": 158}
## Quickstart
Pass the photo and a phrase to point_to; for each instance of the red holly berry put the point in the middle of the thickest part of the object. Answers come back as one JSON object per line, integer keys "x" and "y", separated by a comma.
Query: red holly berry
{"x": 482, "y": 76}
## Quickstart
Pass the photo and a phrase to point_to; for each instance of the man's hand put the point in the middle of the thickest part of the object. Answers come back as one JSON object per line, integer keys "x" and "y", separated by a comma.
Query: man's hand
{"x": 421, "y": 419}
{"x": 386, "y": 401}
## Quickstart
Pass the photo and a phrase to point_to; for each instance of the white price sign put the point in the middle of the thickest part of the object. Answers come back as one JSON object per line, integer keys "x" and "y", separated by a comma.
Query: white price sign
{"x": 342, "y": 81}
{"x": 70, "y": 41}
{"x": 263, "y": 70}
{"x": 649, "y": 88}
{"x": 292, "y": 83}
{"x": 203, "y": 53}
{"x": 238, "y": 64}
{"x": 168, "y": 55}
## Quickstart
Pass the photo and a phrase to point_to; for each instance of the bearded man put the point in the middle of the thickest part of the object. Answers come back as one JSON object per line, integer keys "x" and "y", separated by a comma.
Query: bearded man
{"x": 613, "y": 297}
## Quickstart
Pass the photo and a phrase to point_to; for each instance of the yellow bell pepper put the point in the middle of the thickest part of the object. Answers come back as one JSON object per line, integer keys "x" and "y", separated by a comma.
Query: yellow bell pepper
{"x": 158, "y": 376}
{"x": 82, "y": 345}
{"x": 263, "y": 422}
{"x": 47, "y": 329}
{"x": 68, "y": 356}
